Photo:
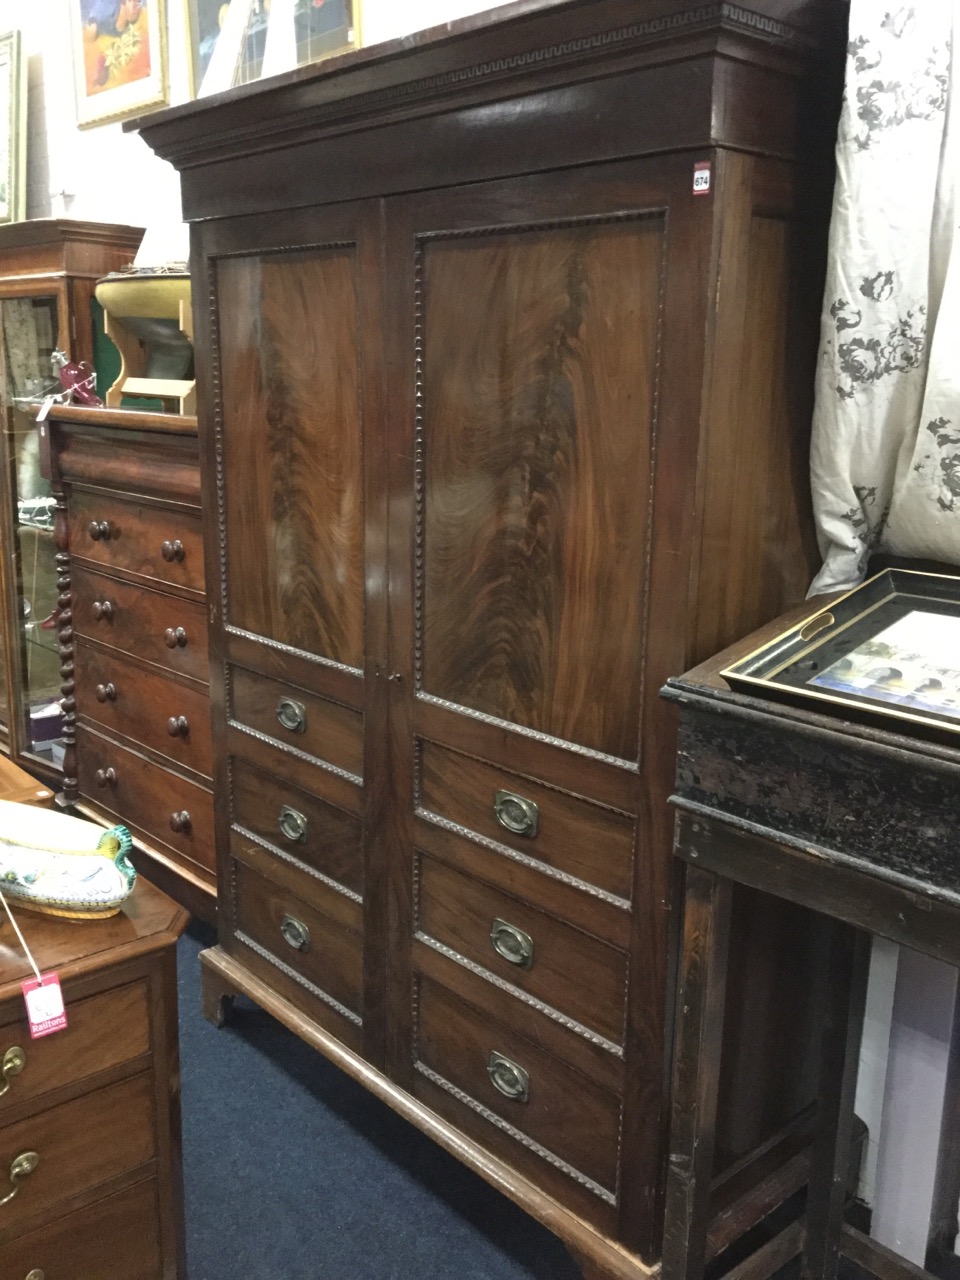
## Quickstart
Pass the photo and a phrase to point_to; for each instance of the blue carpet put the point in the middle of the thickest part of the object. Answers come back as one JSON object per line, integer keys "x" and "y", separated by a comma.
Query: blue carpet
{"x": 294, "y": 1172}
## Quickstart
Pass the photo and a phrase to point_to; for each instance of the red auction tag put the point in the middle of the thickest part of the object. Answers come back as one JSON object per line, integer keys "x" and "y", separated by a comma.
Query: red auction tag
{"x": 44, "y": 1005}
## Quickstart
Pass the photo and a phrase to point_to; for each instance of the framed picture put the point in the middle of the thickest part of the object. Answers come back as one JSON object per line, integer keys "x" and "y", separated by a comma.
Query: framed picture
{"x": 238, "y": 41}
{"x": 13, "y": 130}
{"x": 119, "y": 58}
{"x": 888, "y": 651}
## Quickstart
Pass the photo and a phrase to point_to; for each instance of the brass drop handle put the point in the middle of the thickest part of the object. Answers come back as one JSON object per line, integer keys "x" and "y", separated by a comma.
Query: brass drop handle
{"x": 180, "y": 822}
{"x": 519, "y": 816}
{"x": 36, "y": 1274}
{"x": 508, "y": 1078}
{"x": 178, "y": 726}
{"x": 292, "y": 715}
{"x": 175, "y": 638}
{"x": 295, "y": 933}
{"x": 22, "y": 1166}
{"x": 14, "y": 1060}
{"x": 292, "y": 823}
{"x": 173, "y": 551}
{"x": 106, "y": 777}
{"x": 100, "y": 530}
{"x": 512, "y": 944}
{"x": 103, "y": 610}
{"x": 106, "y": 692}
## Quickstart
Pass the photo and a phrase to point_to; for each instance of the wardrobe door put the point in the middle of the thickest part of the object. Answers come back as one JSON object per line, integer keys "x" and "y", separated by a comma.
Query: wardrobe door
{"x": 292, "y": 465}
{"x": 533, "y": 358}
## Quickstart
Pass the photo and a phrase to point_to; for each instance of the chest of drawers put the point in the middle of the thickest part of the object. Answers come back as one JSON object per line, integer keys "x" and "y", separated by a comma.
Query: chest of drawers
{"x": 90, "y": 1180}
{"x": 133, "y": 635}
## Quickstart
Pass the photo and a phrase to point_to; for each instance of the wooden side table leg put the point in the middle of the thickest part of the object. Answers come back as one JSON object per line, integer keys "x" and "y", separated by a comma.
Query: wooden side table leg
{"x": 944, "y": 1227}
{"x": 830, "y": 1157}
{"x": 701, "y": 993}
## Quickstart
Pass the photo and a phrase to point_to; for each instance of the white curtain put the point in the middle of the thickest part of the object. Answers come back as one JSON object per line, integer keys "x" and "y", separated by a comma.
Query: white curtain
{"x": 885, "y": 461}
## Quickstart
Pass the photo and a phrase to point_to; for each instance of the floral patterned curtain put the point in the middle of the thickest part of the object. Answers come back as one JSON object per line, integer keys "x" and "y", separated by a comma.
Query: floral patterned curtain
{"x": 885, "y": 459}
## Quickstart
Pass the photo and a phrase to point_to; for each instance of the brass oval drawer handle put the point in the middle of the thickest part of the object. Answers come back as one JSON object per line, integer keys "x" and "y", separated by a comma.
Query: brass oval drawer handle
{"x": 512, "y": 944}
{"x": 14, "y": 1060}
{"x": 178, "y": 726}
{"x": 292, "y": 715}
{"x": 509, "y": 1078}
{"x": 295, "y": 933}
{"x": 292, "y": 822}
{"x": 100, "y": 530}
{"x": 106, "y": 692}
{"x": 519, "y": 816}
{"x": 173, "y": 551}
{"x": 22, "y": 1166}
{"x": 175, "y": 638}
{"x": 102, "y": 610}
{"x": 180, "y": 822}
{"x": 106, "y": 777}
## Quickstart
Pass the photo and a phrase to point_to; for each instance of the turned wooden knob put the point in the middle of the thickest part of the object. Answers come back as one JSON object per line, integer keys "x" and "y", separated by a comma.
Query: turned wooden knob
{"x": 173, "y": 551}
{"x": 106, "y": 693}
{"x": 175, "y": 638}
{"x": 99, "y": 530}
{"x": 178, "y": 726}
{"x": 105, "y": 777}
{"x": 102, "y": 609}
{"x": 180, "y": 822}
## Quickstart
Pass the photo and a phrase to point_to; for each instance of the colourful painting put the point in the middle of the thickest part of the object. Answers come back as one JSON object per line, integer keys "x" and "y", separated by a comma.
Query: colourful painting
{"x": 119, "y": 58}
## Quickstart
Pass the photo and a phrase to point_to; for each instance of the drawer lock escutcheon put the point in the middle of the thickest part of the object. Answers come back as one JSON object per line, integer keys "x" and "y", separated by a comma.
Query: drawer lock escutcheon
{"x": 14, "y": 1060}
{"x": 292, "y": 715}
{"x": 512, "y": 944}
{"x": 519, "y": 816}
{"x": 21, "y": 1167}
{"x": 510, "y": 1079}
{"x": 295, "y": 933}
{"x": 293, "y": 824}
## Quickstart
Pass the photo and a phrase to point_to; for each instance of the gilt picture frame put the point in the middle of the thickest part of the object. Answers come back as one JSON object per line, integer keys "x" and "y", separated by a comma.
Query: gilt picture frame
{"x": 119, "y": 52}
{"x": 887, "y": 653}
{"x": 13, "y": 132}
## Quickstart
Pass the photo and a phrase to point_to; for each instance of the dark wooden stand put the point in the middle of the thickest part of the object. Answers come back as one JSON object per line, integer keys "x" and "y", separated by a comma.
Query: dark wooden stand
{"x": 857, "y": 824}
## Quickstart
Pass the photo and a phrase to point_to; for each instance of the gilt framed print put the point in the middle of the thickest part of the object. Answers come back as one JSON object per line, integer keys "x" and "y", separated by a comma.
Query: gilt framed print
{"x": 13, "y": 131}
{"x": 887, "y": 652}
{"x": 119, "y": 58}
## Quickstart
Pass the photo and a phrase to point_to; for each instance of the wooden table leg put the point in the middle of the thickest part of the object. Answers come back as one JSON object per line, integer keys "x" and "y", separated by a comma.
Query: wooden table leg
{"x": 830, "y": 1157}
{"x": 942, "y": 1237}
{"x": 701, "y": 992}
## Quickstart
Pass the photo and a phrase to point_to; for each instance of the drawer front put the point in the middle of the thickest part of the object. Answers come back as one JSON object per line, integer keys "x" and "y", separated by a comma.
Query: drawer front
{"x": 310, "y": 830}
{"x": 167, "y": 630}
{"x": 117, "y": 1238}
{"x": 168, "y": 717}
{"x": 299, "y": 719}
{"x": 171, "y": 810}
{"x": 536, "y": 1094}
{"x": 584, "y": 840}
{"x": 310, "y": 937}
{"x": 102, "y": 1032}
{"x": 81, "y": 1145}
{"x": 152, "y": 542}
{"x": 562, "y": 966}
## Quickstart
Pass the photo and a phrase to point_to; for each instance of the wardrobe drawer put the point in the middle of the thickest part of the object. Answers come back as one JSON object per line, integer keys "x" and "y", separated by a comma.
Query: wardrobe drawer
{"x": 167, "y": 630}
{"x": 101, "y": 1033}
{"x": 314, "y": 932}
{"x": 573, "y": 972}
{"x": 584, "y": 840}
{"x": 168, "y": 808}
{"x": 534, "y": 1093}
{"x": 299, "y": 719}
{"x": 117, "y": 1238}
{"x": 152, "y": 542}
{"x": 310, "y": 830}
{"x": 165, "y": 715}
{"x": 81, "y": 1145}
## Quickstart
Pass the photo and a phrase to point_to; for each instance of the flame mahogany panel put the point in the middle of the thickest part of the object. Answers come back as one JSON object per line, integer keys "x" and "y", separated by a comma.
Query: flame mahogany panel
{"x": 293, "y": 473}
{"x": 538, "y": 401}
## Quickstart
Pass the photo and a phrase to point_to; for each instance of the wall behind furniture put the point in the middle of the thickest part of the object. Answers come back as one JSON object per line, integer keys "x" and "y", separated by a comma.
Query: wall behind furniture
{"x": 104, "y": 174}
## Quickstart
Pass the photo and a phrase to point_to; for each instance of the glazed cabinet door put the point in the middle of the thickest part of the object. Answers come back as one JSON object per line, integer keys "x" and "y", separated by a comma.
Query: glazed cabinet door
{"x": 296, "y": 574}
{"x": 538, "y": 348}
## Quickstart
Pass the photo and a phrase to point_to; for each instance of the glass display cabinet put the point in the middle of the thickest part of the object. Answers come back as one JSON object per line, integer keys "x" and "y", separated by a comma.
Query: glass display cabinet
{"x": 48, "y": 270}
